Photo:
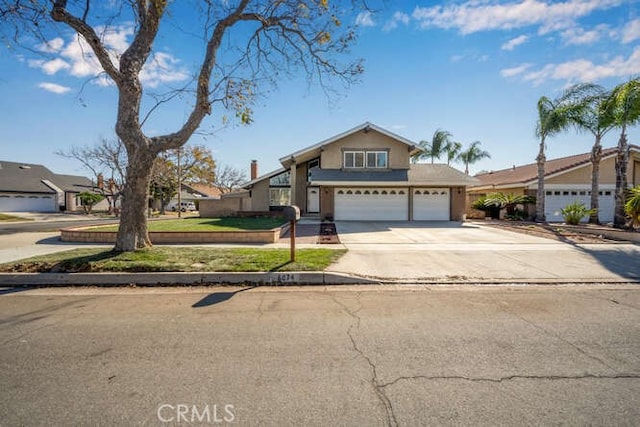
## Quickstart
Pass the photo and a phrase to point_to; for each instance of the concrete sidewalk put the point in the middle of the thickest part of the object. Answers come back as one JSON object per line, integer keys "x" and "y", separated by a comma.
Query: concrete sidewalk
{"x": 386, "y": 253}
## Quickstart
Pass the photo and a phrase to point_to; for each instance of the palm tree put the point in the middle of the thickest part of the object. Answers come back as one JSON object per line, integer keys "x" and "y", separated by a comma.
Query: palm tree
{"x": 625, "y": 104}
{"x": 554, "y": 116}
{"x": 453, "y": 151}
{"x": 472, "y": 154}
{"x": 435, "y": 148}
{"x": 597, "y": 119}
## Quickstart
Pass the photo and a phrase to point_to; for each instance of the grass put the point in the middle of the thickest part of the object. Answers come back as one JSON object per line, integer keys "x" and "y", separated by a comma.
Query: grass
{"x": 207, "y": 224}
{"x": 11, "y": 218}
{"x": 176, "y": 259}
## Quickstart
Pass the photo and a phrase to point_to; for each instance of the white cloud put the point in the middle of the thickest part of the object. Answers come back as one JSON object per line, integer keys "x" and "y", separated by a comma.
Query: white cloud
{"x": 511, "y": 44}
{"x": 511, "y": 72}
{"x": 52, "y": 46}
{"x": 631, "y": 31}
{"x": 53, "y": 87}
{"x": 578, "y": 36}
{"x": 396, "y": 19}
{"x": 481, "y": 15}
{"x": 583, "y": 70}
{"x": 365, "y": 19}
{"x": 469, "y": 57}
{"x": 77, "y": 58}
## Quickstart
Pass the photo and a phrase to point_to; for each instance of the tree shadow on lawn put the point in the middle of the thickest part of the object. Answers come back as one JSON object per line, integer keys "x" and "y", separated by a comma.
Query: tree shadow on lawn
{"x": 217, "y": 298}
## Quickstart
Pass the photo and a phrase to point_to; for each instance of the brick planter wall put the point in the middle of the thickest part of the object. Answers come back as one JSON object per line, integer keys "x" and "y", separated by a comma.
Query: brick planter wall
{"x": 85, "y": 235}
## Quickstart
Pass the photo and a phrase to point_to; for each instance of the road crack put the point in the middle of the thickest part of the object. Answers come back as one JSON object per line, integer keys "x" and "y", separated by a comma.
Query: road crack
{"x": 512, "y": 377}
{"x": 374, "y": 381}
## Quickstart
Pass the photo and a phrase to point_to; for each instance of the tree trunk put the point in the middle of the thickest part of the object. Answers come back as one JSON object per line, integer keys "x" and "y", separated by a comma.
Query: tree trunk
{"x": 540, "y": 216}
{"x": 596, "y": 156}
{"x": 622, "y": 159}
{"x": 132, "y": 233}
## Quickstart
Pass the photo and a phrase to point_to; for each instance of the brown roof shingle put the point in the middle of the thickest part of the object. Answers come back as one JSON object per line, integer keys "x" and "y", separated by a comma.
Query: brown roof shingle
{"x": 527, "y": 173}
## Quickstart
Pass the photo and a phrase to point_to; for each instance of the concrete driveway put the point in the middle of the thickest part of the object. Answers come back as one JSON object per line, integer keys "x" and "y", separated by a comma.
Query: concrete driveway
{"x": 445, "y": 251}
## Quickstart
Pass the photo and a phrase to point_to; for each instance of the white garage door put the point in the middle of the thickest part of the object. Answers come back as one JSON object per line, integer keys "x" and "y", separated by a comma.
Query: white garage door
{"x": 24, "y": 203}
{"x": 372, "y": 204}
{"x": 431, "y": 204}
{"x": 555, "y": 200}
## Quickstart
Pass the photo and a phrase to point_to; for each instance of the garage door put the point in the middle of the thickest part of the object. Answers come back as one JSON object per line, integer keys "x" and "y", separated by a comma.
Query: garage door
{"x": 555, "y": 200}
{"x": 431, "y": 204}
{"x": 372, "y": 204}
{"x": 24, "y": 203}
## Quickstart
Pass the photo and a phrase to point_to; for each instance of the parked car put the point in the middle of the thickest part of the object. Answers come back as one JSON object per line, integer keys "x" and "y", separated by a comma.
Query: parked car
{"x": 184, "y": 206}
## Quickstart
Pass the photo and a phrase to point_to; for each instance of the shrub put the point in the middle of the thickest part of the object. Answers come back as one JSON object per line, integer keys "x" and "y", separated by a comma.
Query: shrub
{"x": 89, "y": 199}
{"x": 632, "y": 206}
{"x": 574, "y": 212}
{"x": 495, "y": 202}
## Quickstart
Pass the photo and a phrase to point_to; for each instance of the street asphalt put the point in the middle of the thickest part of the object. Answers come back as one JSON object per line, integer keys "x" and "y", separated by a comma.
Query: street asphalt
{"x": 318, "y": 356}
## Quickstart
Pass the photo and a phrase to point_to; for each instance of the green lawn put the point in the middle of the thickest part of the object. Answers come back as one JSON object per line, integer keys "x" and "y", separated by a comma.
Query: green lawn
{"x": 207, "y": 224}
{"x": 11, "y": 218}
{"x": 167, "y": 259}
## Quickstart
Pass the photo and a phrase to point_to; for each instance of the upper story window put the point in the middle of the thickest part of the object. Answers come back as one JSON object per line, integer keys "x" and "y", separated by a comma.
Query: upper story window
{"x": 366, "y": 159}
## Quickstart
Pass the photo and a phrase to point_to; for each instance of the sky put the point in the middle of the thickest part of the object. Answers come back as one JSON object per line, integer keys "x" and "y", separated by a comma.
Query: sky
{"x": 474, "y": 68}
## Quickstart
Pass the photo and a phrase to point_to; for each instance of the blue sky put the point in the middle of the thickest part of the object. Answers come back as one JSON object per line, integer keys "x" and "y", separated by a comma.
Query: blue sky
{"x": 474, "y": 68}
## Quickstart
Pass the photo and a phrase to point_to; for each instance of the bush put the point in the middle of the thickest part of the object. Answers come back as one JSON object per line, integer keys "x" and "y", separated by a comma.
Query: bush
{"x": 89, "y": 199}
{"x": 495, "y": 202}
{"x": 632, "y": 206}
{"x": 574, "y": 212}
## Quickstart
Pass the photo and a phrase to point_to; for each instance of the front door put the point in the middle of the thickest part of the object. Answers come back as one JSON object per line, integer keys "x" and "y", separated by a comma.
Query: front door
{"x": 313, "y": 199}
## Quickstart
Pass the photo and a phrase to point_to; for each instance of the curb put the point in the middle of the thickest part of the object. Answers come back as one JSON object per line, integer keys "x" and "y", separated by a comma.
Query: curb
{"x": 269, "y": 279}
{"x": 184, "y": 278}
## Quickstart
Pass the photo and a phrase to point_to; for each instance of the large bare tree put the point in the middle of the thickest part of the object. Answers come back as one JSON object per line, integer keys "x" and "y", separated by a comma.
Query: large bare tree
{"x": 245, "y": 43}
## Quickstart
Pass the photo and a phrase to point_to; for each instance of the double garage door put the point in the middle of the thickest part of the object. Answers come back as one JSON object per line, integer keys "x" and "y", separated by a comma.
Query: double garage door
{"x": 27, "y": 203}
{"x": 555, "y": 200}
{"x": 391, "y": 204}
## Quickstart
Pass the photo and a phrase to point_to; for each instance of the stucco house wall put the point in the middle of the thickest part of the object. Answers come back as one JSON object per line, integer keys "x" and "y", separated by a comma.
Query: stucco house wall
{"x": 332, "y": 156}
{"x": 260, "y": 196}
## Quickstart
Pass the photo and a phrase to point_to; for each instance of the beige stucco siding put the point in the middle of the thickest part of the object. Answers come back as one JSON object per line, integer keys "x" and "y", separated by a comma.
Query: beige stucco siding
{"x": 326, "y": 202}
{"x": 331, "y": 157}
{"x": 260, "y": 196}
{"x": 301, "y": 187}
{"x": 636, "y": 173}
{"x": 458, "y": 203}
{"x": 583, "y": 175}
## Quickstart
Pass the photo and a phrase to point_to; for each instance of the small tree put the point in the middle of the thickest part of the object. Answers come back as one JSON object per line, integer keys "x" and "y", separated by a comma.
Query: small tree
{"x": 228, "y": 178}
{"x": 632, "y": 206}
{"x": 89, "y": 200}
{"x": 107, "y": 158}
{"x": 242, "y": 43}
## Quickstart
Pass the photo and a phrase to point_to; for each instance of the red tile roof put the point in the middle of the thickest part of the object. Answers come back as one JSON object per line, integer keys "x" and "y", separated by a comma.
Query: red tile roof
{"x": 527, "y": 173}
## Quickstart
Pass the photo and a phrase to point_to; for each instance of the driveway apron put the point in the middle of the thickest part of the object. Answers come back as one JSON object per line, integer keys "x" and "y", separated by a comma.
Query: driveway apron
{"x": 432, "y": 251}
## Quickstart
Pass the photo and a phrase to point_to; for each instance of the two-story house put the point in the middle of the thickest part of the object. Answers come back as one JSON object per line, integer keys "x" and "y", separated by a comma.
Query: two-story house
{"x": 362, "y": 174}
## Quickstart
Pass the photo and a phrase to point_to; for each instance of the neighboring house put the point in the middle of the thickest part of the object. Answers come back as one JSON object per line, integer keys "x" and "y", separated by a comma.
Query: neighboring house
{"x": 567, "y": 179}
{"x": 362, "y": 174}
{"x": 34, "y": 188}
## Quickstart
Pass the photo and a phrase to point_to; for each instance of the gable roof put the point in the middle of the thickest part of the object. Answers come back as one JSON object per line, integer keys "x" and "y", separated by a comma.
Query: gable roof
{"x": 365, "y": 127}
{"x": 32, "y": 178}
{"x": 204, "y": 190}
{"x": 528, "y": 174}
{"x": 438, "y": 174}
